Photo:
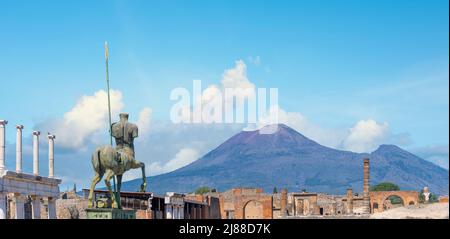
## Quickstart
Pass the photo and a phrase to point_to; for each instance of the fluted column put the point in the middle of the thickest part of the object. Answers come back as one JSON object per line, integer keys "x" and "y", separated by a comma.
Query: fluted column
{"x": 36, "y": 206}
{"x": 19, "y": 204}
{"x": 36, "y": 152}
{"x": 2, "y": 145}
{"x": 3, "y": 205}
{"x": 19, "y": 148}
{"x": 51, "y": 208}
{"x": 51, "y": 158}
{"x": 366, "y": 193}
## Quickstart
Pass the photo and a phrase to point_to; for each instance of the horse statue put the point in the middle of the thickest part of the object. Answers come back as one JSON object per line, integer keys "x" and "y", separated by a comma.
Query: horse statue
{"x": 108, "y": 161}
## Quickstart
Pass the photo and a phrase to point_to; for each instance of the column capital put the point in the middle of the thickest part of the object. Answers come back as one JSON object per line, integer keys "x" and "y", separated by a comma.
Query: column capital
{"x": 3, "y": 122}
{"x": 51, "y": 136}
{"x": 19, "y": 126}
{"x": 37, "y": 133}
{"x": 51, "y": 199}
{"x": 35, "y": 197}
{"x": 19, "y": 197}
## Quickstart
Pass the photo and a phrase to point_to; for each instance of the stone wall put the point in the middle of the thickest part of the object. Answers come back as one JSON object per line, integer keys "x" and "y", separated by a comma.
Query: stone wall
{"x": 240, "y": 203}
{"x": 71, "y": 208}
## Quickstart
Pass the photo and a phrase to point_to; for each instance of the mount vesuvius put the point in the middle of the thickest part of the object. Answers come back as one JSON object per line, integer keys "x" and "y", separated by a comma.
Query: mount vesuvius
{"x": 287, "y": 159}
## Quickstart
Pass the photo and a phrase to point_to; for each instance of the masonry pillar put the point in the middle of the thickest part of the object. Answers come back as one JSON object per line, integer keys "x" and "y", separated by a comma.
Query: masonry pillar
{"x": 283, "y": 203}
{"x": 3, "y": 205}
{"x": 19, "y": 204}
{"x": 36, "y": 152}
{"x": 199, "y": 212}
{"x": 349, "y": 201}
{"x": 2, "y": 145}
{"x": 169, "y": 211}
{"x": 51, "y": 208}
{"x": 51, "y": 157}
{"x": 182, "y": 212}
{"x": 19, "y": 148}
{"x": 194, "y": 212}
{"x": 36, "y": 206}
{"x": 366, "y": 194}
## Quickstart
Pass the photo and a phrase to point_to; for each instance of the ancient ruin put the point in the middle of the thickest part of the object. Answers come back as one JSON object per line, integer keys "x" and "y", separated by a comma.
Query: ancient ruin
{"x": 24, "y": 195}
{"x": 247, "y": 203}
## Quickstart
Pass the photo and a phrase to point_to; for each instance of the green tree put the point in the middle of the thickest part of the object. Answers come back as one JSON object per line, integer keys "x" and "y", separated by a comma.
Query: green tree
{"x": 432, "y": 198}
{"x": 202, "y": 190}
{"x": 385, "y": 186}
{"x": 275, "y": 190}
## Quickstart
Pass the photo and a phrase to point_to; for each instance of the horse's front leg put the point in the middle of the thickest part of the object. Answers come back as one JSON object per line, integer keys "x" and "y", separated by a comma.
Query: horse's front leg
{"x": 108, "y": 176}
{"x": 144, "y": 179}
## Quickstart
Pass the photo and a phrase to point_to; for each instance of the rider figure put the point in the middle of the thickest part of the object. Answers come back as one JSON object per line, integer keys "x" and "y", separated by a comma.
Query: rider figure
{"x": 124, "y": 132}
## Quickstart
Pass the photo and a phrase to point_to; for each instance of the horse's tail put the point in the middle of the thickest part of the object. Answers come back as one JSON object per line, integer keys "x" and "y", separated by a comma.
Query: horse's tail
{"x": 96, "y": 160}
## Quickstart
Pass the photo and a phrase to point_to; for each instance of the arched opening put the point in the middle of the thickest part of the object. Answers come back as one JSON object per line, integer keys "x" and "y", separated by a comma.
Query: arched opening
{"x": 375, "y": 206}
{"x": 411, "y": 203}
{"x": 253, "y": 210}
{"x": 321, "y": 211}
{"x": 393, "y": 201}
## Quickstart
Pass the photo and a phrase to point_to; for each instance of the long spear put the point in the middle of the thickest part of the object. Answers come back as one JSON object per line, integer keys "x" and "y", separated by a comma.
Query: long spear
{"x": 109, "y": 108}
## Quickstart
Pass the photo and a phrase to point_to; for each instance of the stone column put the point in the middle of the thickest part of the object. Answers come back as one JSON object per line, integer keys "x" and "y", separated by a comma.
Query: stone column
{"x": 51, "y": 208}
{"x": 36, "y": 206}
{"x": 366, "y": 194}
{"x": 349, "y": 201}
{"x": 3, "y": 205}
{"x": 199, "y": 212}
{"x": 51, "y": 158}
{"x": 36, "y": 152}
{"x": 2, "y": 145}
{"x": 19, "y": 148}
{"x": 176, "y": 212}
{"x": 283, "y": 203}
{"x": 169, "y": 211}
{"x": 182, "y": 212}
{"x": 19, "y": 204}
{"x": 194, "y": 212}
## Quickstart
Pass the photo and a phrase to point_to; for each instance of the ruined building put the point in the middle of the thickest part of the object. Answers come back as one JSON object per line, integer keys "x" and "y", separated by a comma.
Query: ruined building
{"x": 27, "y": 195}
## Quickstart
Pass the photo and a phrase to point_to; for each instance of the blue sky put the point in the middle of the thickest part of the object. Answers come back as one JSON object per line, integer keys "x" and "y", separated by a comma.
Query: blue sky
{"x": 334, "y": 62}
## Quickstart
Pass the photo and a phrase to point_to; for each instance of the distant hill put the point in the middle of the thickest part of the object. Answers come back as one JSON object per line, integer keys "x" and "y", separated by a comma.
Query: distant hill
{"x": 289, "y": 159}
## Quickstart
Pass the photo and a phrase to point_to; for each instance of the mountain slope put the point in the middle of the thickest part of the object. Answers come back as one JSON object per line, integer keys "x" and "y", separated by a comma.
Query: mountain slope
{"x": 289, "y": 159}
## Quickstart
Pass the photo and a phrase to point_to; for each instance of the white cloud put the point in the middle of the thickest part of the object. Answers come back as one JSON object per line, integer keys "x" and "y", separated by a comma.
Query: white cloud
{"x": 366, "y": 136}
{"x": 236, "y": 77}
{"x": 184, "y": 157}
{"x": 89, "y": 115}
{"x": 143, "y": 122}
{"x": 234, "y": 86}
{"x": 86, "y": 123}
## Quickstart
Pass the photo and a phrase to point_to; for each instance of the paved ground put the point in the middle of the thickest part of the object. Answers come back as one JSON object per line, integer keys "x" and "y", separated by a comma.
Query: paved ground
{"x": 423, "y": 211}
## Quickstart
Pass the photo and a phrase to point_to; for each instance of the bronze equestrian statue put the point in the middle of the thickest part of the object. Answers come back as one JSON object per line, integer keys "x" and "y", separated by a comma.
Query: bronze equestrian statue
{"x": 109, "y": 162}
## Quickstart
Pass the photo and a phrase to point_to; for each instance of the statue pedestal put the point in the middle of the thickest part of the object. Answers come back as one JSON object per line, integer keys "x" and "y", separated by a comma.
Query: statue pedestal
{"x": 110, "y": 213}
